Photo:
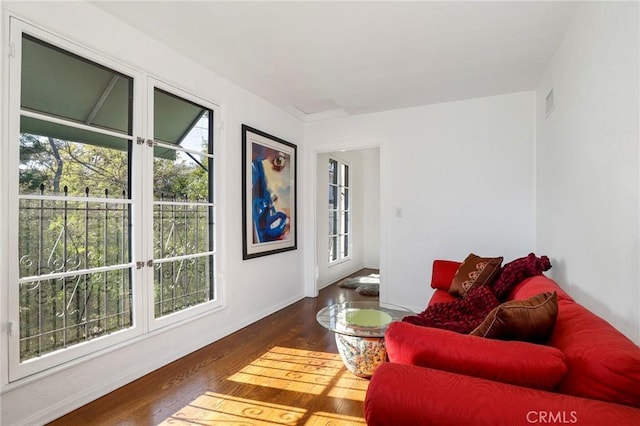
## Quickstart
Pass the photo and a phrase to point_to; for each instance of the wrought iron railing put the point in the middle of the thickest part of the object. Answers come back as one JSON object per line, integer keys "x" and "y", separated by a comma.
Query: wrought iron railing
{"x": 75, "y": 276}
{"x": 75, "y": 265}
{"x": 183, "y": 236}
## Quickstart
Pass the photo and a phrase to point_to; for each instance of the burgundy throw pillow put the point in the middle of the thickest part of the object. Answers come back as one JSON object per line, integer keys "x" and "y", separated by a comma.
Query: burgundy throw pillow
{"x": 529, "y": 320}
{"x": 475, "y": 271}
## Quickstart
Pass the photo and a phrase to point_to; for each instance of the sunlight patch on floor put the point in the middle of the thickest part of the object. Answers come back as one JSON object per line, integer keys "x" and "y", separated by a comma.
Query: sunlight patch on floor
{"x": 316, "y": 373}
{"x": 349, "y": 386}
{"x": 215, "y": 409}
{"x": 332, "y": 419}
{"x": 291, "y": 369}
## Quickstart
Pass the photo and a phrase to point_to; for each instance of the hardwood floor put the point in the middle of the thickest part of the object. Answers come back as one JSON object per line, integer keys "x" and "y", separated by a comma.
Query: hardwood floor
{"x": 282, "y": 370}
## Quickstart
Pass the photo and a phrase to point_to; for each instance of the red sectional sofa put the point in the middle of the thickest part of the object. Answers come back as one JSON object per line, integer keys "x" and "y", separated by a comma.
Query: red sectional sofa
{"x": 587, "y": 373}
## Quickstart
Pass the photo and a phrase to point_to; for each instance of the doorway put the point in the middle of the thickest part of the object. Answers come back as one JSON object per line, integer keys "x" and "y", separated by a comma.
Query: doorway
{"x": 347, "y": 213}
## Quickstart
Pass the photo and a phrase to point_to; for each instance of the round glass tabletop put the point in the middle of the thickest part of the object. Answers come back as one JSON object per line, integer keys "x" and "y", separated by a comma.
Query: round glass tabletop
{"x": 360, "y": 318}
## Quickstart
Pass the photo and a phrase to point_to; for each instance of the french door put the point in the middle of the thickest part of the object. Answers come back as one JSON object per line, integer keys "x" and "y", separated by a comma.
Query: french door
{"x": 111, "y": 225}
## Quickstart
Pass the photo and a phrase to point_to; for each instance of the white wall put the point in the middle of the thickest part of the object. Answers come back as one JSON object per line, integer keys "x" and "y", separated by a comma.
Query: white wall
{"x": 4, "y": 205}
{"x": 372, "y": 206}
{"x": 588, "y": 164}
{"x": 251, "y": 289}
{"x": 364, "y": 177}
{"x": 462, "y": 173}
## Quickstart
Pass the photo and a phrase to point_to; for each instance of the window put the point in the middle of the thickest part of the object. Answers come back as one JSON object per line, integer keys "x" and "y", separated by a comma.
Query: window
{"x": 74, "y": 200}
{"x": 104, "y": 220}
{"x": 183, "y": 204}
{"x": 339, "y": 211}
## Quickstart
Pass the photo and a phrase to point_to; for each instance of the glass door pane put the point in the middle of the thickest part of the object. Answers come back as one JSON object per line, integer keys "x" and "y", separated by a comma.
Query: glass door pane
{"x": 183, "y": 204}
{"x": 74, "y": 203}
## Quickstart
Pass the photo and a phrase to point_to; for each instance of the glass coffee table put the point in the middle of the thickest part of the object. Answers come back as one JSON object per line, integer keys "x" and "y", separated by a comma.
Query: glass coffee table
{"x": 359, "y": 328}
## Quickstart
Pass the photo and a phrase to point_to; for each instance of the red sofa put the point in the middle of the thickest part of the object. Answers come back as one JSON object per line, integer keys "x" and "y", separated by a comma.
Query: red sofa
{"x": 587, "y": 373}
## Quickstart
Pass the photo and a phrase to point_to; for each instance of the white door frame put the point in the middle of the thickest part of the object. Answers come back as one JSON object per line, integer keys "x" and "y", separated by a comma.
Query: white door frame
{"x": 310, "y": 210}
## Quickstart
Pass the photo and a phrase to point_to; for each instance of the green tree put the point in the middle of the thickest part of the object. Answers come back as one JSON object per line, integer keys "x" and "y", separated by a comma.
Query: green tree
{"x": 56, "y": 236}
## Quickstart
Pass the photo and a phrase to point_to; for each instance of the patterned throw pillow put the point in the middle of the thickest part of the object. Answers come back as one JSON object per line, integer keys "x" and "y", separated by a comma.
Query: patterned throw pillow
{"x": 529, "y": 320}
{"x": 474, "y": 272}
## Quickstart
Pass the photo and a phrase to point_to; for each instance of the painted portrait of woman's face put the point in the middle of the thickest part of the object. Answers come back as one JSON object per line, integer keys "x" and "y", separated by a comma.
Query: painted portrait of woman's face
{"x": 271, "y": 189}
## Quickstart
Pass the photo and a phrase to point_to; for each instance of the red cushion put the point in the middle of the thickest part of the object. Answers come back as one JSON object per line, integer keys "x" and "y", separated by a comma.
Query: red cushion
{"x": 519, "y": 363}
{"x": 603, "y": 363}
{"x": 529, "y": 287}
{"x": 443, "y": 273}
{"x": 401, "y": 394}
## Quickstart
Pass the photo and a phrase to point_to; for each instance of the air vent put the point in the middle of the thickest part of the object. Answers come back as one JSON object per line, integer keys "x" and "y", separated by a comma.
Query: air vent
{"x": 549, "y": 105}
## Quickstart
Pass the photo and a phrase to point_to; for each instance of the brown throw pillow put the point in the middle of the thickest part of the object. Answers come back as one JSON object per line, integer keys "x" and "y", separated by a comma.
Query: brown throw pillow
{"x": 530, "y": 320}
{"x": 474, "y": 272}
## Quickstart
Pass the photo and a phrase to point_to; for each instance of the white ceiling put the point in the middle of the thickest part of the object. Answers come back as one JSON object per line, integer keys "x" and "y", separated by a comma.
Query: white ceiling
{"x": 322, "y": 59}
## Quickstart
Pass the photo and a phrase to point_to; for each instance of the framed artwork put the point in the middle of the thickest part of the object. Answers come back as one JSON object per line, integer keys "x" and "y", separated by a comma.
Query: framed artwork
{"x": 269, "y": 177}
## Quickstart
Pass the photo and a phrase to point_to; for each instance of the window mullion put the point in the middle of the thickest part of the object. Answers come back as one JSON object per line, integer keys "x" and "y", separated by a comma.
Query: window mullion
{"x": 144, "y": 203}
{"x": 69, "y": 123}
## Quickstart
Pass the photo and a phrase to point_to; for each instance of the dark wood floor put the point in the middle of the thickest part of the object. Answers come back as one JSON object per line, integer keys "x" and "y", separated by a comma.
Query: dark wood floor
{"x": 282, "y": 370}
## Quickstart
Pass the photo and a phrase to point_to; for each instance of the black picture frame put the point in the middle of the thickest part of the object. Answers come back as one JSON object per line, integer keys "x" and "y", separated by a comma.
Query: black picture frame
{"x": 269, "y": 194}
